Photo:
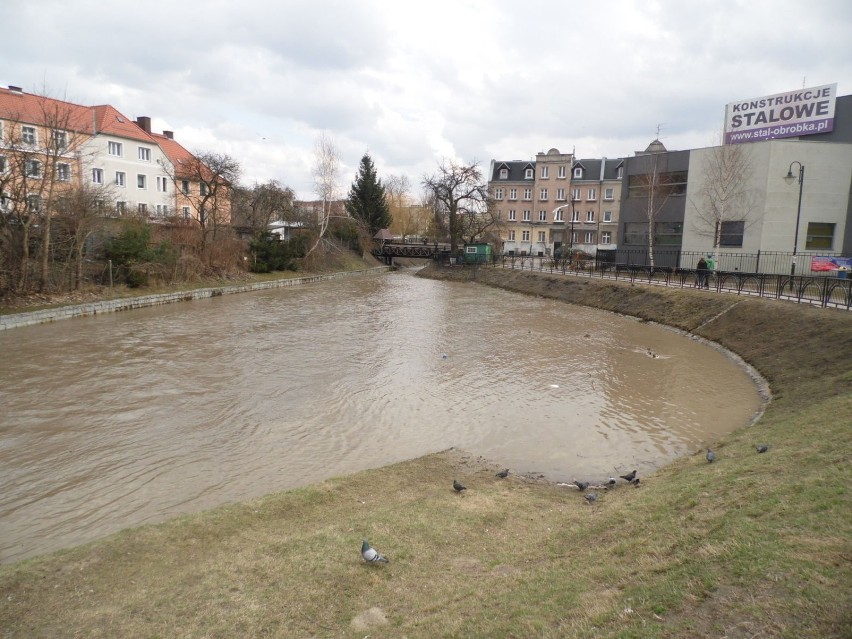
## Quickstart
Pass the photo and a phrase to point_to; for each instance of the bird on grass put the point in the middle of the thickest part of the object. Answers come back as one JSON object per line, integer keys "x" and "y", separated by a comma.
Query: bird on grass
{"x": 635, "y": 481}
{"x": 629, "y": 476}
{"x": 582, "y": 485}
{"x": 591, "y": 497}
{"x": 762, "y": 448}
{"x": 457, "y": 486}
{"x": 371, "y": 555}
{"x": 711, "y": 456}
{"x": 503, "y": 473}
{"x": 611, "y": 481}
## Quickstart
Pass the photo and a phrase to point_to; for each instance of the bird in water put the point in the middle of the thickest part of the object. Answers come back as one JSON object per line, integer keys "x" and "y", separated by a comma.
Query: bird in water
{"x": 371, "y": 555}
{"x": 502, "y": 474}
{"x": 629, "y": 476}
{"x": 711, "y": 456}
{"x": 762, "y": 448}
{"x": 457, "y": 486}
{"x": 591, "y": 497}
{"x": 582, "y": 485}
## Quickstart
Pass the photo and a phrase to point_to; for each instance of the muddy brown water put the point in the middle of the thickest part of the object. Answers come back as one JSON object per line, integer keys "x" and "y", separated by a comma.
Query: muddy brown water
{"x": 130, "y": 418}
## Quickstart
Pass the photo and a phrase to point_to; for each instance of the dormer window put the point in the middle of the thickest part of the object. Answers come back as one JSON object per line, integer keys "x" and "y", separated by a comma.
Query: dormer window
{"x": 578, "y": 172}
{"x": 504, "y": 174}
{"x": 620, "y": 172}
{"x": 528, "y": 174}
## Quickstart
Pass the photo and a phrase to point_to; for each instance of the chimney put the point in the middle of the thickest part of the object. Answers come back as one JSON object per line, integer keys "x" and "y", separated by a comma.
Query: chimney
{"x": 144, "y": 123}
{"x": 16, "y": 90}
{"x": 169, "y": 134}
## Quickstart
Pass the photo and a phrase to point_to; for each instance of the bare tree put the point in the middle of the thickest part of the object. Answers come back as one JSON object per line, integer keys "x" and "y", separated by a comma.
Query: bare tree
{"x": 258, "y": 206}
{"x": 211, "y": 177}
{"x": 477, "y": 224}
{"x": 41, "y": 154}
{"x": 80, "y": 213}
{"x": 325, "y": 171}
{"x": 458, "y": 190}
{"x": 724, "y": 197}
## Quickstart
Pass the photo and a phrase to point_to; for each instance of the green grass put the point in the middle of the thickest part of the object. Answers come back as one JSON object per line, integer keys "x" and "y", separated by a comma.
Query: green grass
{"x": 754, "y": 545}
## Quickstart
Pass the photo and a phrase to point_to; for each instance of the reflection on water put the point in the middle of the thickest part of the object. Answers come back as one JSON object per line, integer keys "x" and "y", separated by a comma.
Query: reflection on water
{"x": 123, "y": 419}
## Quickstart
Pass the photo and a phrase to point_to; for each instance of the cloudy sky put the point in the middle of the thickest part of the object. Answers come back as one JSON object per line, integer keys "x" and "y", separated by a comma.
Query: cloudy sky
{"x": 411, "y": 83}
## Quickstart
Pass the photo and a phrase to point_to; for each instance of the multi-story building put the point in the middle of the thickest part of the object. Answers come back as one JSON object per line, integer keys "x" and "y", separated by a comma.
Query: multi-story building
{"x": 556, "y": 203}
{"x": 49, "y": 147}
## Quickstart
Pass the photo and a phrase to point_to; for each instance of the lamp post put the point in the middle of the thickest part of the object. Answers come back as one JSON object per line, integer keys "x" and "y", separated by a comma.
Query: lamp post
{"x": 571, "y": 238}
{"x": 789, "y": 180}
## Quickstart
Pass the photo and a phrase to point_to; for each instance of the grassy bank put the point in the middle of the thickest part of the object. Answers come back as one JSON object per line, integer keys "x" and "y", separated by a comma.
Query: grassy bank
{"x": 754, "y": 545}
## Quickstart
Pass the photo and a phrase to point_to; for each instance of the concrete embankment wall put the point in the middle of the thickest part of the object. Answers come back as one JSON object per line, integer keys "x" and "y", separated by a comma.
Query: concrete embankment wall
{"x": 110, "y": 306}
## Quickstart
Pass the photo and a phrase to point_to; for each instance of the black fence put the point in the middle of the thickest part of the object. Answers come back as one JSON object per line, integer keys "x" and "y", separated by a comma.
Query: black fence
{"x": 826, "y": 289}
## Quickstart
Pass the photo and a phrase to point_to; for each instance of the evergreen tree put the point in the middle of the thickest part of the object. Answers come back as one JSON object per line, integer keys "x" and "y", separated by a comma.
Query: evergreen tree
{"x": 366, "y": 201}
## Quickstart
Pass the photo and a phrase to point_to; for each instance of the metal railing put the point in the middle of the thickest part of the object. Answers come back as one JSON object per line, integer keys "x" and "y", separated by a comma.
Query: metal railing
{"x": 822, "y": 290}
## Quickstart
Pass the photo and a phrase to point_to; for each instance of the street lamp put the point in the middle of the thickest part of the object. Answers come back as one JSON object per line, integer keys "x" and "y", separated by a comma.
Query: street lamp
{"x": 789, "y": 180}
{"x": 571, "y": 238}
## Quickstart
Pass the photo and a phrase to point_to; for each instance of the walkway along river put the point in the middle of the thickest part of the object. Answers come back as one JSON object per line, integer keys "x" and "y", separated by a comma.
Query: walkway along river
{"x": 124, "y": 419}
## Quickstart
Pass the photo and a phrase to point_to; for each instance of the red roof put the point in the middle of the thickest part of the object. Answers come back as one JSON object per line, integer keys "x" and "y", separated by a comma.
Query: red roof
{"x": 19, "y": 106}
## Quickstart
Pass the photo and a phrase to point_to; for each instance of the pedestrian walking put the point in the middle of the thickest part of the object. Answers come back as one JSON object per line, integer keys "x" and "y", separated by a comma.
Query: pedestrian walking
{"x": 711, "y": 268}
{"x": 701, "y": 273}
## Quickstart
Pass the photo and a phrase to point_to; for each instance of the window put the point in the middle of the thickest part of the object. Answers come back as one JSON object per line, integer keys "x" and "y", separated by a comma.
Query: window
{"x": 575, "y": 195}
{"x": 541, "y": 236}
{"x": 609, "y": 194}
{"x": 562, "y": 171}
{"x": 606, "y": 237}
{"x": 498, "y": 194}
{"x": 557, "y": 217}
{"x": 142, "y": 208}
{"x": 121, "y": 207}
{"x": 542, "y": 216}
{"x": 578, "y": 172}
{"x": 511, "y": 236}
{"x": 636, "y": 233}
{"x": 528, "y": 174}
{"x": 607, "y": 216}
{"x": 673, "y": 183}
{"x": 184, "y": 187}
{"x": 33, "y": 168}
{"x": 512, "y": 215}
{"x": 5, "y": 201}
{"x": 592, "y": 195}
{"x": 590, "y": 237}
{"x": 2, "y": 164}
{"x": 527, "y": 194}
{"x": 202, "y": 188}
{"x": 575, "y": 216}
{"x": 114, "y": 149}
{"x": 162, "y": 210}
{"x": 185, "y": 211}
{"x": 120, "y": 178}
{"x": 28, "y": 134}
{"x": 620, "y": 172}
{"x": 542, "y": 195}
{"x": 141, "y": 181}
{"x": 60, "y": 140}
{"x": 669, "y": 233}
{"x": 525, "y": 236}
{"x": 731, "y": 233}
{"x": 820, "y": 236}
{"x": 97, "y": 176}
{"x": 513, "y": 194}
{"x": 544, "y": 171}
{"x": 162, "y": 186}
{"x": 504, "y": 174}
{"x": 144, "y": 154}
{"x": 527, "y": 215}
{"x": 63, "y": 172}
{"x": 34, "y": 202}
{"x": 590, "y": 216}
{"x": 560, "y": 195}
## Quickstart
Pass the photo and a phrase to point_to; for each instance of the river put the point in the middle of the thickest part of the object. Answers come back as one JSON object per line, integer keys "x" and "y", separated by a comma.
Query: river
{"x": 124, "y": 419}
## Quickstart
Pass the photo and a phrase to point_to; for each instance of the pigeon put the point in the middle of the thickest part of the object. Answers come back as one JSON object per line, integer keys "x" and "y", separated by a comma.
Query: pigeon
{"x": 711, "y": 456}
{"x": 371, "y": 555}
{"x": 629, "y": 476}
{"x": 458, "y": 487}
{"x": 611, "y": 481}
{"x": 502, "y": 474}
{"x": 591, "y": 497}
{"x": 635, "y": 481}
{"x": 762, "y": 448}
{"x": 582, "y": 485}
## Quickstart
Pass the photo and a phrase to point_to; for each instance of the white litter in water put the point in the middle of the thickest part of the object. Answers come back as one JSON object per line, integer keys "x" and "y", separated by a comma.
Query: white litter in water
{"x": 554, "y": 385}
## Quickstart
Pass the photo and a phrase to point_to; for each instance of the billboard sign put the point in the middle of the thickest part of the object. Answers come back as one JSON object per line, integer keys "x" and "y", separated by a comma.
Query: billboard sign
{"x": 783, "y": 115}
